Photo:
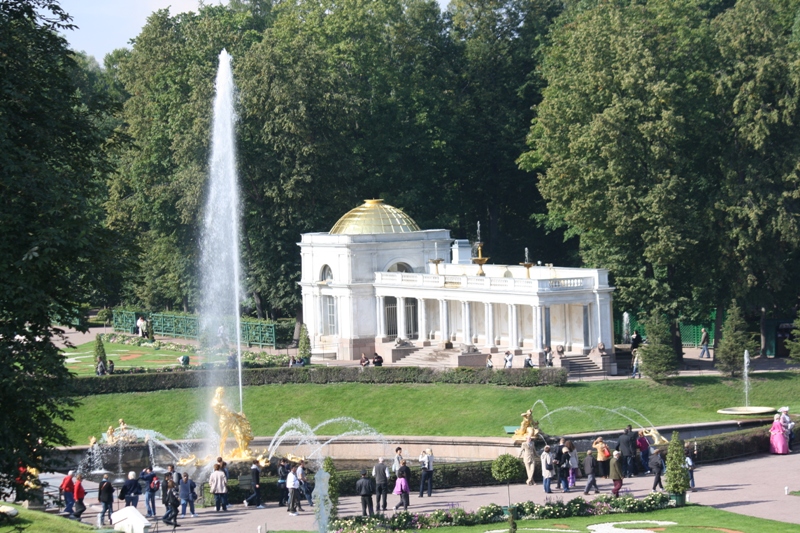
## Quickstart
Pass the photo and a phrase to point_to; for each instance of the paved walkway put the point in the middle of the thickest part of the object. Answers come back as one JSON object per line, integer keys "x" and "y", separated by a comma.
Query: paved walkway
{"x": 752, "y": 486}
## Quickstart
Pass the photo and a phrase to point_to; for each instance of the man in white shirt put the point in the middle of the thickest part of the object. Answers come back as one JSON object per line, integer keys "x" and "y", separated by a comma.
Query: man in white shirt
{"x": 508, "y": 359}
{"x": 398, "y": 457}
{"x": 293, "y": 484}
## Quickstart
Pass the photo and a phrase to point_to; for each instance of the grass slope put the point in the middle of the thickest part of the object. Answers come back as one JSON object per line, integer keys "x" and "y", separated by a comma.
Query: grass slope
{"x": 40, "y": 522}
{"x": 442, "y": 410}
{"x": 80, "y": 359}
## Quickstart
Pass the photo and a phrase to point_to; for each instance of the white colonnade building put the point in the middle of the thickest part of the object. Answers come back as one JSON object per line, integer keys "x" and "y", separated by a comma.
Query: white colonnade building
{"x": 370, "y": 281}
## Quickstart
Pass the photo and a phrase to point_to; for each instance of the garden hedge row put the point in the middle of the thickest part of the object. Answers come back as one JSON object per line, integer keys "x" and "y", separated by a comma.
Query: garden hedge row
{"x": 185, "y": 379}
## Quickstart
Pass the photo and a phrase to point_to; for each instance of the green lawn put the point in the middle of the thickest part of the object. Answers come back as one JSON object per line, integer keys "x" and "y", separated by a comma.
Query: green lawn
{"x": 442, "y": 410}
{"x": 39, "y": 522}
{"x": 80, "y": 359}
{"x": 688, "y": 519}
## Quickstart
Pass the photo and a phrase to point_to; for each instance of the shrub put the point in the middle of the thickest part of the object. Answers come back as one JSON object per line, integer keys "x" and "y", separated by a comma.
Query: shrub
{"x": 333, "y": 485}
{"x": 100, "y": 351}
{"x": 507, "y": 468}
{"x": 105, "y": 316}
{"x": 729, "y": 355}
{"x": 793, "y": 344}
{"x": 677, "y": 474}
{"x": 304, "y": 343}
{"x": 658, "y": 357}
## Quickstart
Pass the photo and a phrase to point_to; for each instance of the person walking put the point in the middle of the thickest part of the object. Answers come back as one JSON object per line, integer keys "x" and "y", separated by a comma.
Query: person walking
{"x": 402, "y": 489}
{"x": 637, "y": 360}
{"x": 636, "y": 340}
{"x": 616, "y": 473}
{"x": 283, "y": 473}
{"x": 788, "y": 426}
{"x": 644, "y": 449}
{"x": 187, "y": 494}
{"x": 173, "y": 500}
{"x": 404, "y": 469}
{"x": 80, "y": 493}
{"x": 105, "y": 495}
{"x": 625, "y": 447}
{"x": 563, "y": 473}
{"x": 603, "y": 456}
{"x": 218, "y": 485}
{"x": 305, "y": 488}
{"x": 67, "y": 489}
{"x": 656, "y": 465}
{"x": 489, "y": 363}
{"x": 704, "y": 344}
{"x": 527, "y": 451}
{"x": 398, "y": 458}
{"x": 426, "y": 472}
{"x": 151, "y": 487}
{"x": 131, "y": 490}
{"x": 547, "y": 469}
{"x": 590, "y": 468}
{"x": 255, "y": 485}
{"x": 689, "y": 464}
{"x": 574, "y": 468}
{"x": 558, "y": 463}
{"x": 777, "y": 437}
{"x": 528, "y": 361}
{"x": 508, "y": 360}
{"x": 364, "y": 489}
{"x": 381, "y": 474}
{"x": 168, "y": 476}
{"x": 293, "y": 484}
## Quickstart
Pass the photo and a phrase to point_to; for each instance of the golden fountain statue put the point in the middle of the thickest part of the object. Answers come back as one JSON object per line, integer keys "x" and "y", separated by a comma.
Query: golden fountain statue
{"x": 656, "y": 436}
{"x": 230, "y": 422}
{"x": 528, "y": 427}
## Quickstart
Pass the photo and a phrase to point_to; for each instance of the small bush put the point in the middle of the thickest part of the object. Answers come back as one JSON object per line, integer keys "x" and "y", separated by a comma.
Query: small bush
{"x": 100, "y": 351}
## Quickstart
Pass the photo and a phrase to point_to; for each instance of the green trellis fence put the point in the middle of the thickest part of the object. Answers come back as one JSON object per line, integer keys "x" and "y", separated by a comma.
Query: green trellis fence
{"x": 253, "y": 332}
{"x": 690, "y": 333}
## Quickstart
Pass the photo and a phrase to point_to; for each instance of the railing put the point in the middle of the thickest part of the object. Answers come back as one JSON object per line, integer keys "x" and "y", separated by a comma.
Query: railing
{"x": 253, "y": 332}
{"x": 480, "y": 282}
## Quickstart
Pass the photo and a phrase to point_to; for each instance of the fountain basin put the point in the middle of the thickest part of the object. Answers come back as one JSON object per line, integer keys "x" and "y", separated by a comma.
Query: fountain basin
{"x": 744, "y": 411}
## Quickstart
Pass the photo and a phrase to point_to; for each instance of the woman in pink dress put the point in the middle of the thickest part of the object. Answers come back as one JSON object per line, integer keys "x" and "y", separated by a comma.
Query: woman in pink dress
{"x": 777, "y": 438}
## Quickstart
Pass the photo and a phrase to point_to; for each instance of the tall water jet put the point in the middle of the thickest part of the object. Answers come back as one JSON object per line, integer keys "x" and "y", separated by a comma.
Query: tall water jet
{"x": 219, "y": 262}
{"x": 746, "y": 376}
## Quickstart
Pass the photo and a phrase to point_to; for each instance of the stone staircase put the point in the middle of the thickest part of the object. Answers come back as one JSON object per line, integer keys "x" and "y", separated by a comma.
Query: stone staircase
{"x": 580, "y": 366}
{"x": 429, "y": 356}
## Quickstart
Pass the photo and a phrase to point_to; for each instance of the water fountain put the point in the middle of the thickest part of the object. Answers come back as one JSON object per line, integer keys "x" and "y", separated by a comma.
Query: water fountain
{"x": 747, "y": 409}
{"x": 220, "y": 270}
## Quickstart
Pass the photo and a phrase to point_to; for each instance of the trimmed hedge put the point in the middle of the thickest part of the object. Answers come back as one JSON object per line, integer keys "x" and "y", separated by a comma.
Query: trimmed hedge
{"x": 186, "y": 379}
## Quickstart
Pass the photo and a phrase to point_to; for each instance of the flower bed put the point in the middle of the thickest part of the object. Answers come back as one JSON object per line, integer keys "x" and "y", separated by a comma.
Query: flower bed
{"x": 488, "y": 514}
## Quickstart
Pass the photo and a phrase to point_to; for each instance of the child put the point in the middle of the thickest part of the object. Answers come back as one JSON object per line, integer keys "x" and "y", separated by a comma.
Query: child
{"x": 401, "y": 489}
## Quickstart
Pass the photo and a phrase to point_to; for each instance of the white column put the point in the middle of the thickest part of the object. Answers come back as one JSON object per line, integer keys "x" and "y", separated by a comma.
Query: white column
{"x": 444, "y": 320}
{"x": 488, "y": 313}
{"x": 467, "y": 319}
{"x": 513, "y": 335}
{"x": 337, "y": 321}
{"x": 320, "y": 314}
{"x": 567, "y": 332}
{"x": 381, "y": 317}
{"x": 586, "y": 335}
{"x": 538, "y": 330}
{"x": 548, "y": 340}
{"x": 422, "y": 319}
{"x": 401, "y": 318}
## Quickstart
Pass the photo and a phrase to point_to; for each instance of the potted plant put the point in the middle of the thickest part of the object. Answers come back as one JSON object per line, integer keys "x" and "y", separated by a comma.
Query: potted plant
{"x": 677, "y": 475}
{"x": 508, "y": 468}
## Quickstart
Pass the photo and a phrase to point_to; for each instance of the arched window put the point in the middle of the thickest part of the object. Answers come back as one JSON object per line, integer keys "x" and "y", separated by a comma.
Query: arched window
{"x": 326, "y": 274}
{"x": 400, "y": 267}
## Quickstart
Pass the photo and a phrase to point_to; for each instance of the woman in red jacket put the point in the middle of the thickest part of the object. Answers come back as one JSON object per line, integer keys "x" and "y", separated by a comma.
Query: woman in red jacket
{"x": 80, "y": 494}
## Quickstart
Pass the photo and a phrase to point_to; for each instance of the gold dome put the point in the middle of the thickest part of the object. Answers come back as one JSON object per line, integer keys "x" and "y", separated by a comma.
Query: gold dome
{"x": 374, "y": 217}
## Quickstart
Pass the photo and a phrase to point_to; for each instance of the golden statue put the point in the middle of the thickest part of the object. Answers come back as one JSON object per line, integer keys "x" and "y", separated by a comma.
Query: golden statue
{"x": 656, "y": 436}
{"x": 528, "y": 427}
{"x": 92, "y": 442}
{"x": 230, "y": 422}
{"x": 110, "y": 438}
{"x": 292, "y": 458}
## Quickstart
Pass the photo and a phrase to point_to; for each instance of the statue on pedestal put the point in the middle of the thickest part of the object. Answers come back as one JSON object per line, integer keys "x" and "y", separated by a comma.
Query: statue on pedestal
{"x": 230, "y": 422}
{"x": 528, "y": 428}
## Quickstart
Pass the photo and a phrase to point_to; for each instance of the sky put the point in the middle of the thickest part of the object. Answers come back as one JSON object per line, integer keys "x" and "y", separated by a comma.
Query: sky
{"x": 105, "y": 25}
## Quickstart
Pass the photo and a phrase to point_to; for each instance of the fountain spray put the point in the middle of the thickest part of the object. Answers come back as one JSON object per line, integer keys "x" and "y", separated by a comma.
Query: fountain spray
{"x": 220, "y": 263}
{"x": 746, "y": 378}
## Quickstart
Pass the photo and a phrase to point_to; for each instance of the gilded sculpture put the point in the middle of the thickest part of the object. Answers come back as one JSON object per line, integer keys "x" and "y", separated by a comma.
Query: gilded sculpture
{"x": 656, "y": 436}
{"x": 528, "y": 427}
{"x": 231, "y": 422}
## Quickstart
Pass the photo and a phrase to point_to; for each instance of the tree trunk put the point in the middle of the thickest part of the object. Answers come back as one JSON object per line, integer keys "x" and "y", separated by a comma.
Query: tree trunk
{"x": 763, "y": 329}
{"x": 259, "y": 308}
{"x": 185, "y": 304}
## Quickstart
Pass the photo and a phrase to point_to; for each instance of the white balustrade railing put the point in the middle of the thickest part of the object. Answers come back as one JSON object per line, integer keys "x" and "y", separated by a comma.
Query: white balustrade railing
{"x": 498, "y": 284}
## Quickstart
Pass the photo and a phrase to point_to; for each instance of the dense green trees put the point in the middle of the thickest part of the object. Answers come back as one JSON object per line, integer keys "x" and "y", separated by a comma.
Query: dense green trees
{"x": 52, "y": 244}
{"x": 667, "y": 134}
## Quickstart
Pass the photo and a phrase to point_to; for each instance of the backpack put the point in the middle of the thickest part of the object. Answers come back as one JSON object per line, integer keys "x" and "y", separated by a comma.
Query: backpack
{"x": 155, "y": 484}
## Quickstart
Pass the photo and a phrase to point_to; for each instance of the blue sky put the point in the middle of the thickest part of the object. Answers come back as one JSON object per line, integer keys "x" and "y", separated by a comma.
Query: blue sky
{"x": 104, "y": 25}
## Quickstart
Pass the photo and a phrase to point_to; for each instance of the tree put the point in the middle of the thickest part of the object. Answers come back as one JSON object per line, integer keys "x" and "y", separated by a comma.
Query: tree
{"x": 304, "y": 344}
{"x": 52, "y": 246}
{"x": 729, "y": 356}
{"x": 677, "y": 474}
{"x": 100, "y": 351}
{"x": 620, "y": 141}
{"x": 506, "y": 468}
{"x": 658, "y": 357}
{"x": 794, "y": 343}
